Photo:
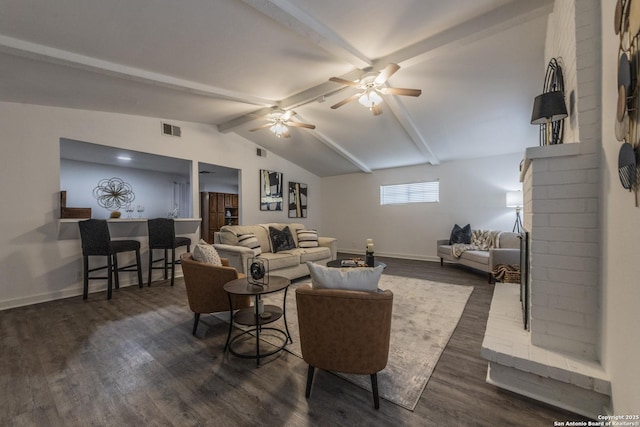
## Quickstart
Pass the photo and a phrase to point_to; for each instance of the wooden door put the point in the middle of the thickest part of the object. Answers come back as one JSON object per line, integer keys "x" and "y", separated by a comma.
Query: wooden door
{"x": 220, "y": 203}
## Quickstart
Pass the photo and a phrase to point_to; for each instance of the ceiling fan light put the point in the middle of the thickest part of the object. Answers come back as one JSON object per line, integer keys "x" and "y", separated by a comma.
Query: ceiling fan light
{"x": 375, "y": 98}
{"x": 279, "y": 129}
{"x": 370, "y": 99}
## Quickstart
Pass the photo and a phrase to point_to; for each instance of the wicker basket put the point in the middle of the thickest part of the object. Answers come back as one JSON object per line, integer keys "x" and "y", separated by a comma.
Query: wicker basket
{"x": 511, "y": 277}
{"x": 507, "y": 273}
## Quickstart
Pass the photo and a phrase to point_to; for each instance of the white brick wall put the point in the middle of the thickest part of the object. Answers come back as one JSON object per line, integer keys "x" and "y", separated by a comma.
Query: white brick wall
{"x": 572, "y": 38}
{"x": 561, "y": 44}
{"x": 562, "y": 216}
{"x": 562, "y": 192}
{"x": 588, "y": 66}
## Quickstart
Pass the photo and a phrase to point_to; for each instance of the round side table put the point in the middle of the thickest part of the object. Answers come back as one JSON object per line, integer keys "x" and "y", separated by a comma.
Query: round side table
{"x": 251, "y": 317}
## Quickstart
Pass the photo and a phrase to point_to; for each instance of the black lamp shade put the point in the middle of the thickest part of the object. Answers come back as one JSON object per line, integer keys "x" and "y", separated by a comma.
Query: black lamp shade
{"x": 548, "y": 107}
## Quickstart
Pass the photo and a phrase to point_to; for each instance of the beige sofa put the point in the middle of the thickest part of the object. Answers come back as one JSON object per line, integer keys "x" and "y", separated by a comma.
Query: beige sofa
{"x": 506, "y": 251}
{"x": 291, "y": 263}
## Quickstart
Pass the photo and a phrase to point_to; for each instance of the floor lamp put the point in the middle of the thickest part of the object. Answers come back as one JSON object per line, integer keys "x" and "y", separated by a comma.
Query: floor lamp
{"x": 514, "y": 200}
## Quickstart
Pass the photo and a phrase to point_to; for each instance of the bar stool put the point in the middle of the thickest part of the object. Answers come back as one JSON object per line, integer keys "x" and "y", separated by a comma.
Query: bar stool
{"x": 96, "y": 241}
{"x": 162, "y": 235}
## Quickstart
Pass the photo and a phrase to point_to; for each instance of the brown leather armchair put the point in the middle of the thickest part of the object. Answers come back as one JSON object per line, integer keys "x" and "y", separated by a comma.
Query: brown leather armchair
{"x": 344, "y": 331}
{"x": 204, "y": 283}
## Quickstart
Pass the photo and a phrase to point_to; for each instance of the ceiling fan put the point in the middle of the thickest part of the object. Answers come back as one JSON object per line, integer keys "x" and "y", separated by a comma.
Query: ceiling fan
{"x": 372, "y": 85}
{"x": 280, "y": 121}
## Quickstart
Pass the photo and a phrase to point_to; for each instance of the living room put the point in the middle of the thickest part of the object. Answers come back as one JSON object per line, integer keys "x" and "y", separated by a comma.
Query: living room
{"x": 37, "y": 266}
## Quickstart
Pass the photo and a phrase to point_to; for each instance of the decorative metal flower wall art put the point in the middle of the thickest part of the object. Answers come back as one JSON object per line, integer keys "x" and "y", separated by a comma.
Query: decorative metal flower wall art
{"x": 113, "y": 193}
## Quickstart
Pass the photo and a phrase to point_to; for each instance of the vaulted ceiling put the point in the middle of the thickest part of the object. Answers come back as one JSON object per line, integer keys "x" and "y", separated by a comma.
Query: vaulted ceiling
{"x": 228, "y": 63}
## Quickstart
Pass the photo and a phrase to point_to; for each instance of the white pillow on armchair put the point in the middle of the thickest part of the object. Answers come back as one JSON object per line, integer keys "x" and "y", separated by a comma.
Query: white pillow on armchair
{"x": 351, "y": 279}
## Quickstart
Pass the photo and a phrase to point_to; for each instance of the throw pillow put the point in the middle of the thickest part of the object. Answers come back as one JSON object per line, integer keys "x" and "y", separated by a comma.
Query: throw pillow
{"x": 460, "y": 234}
{"x": 204, "y": 252}
{"x": 308, "y": 239}
{"x": 249, "y": 240}
{"x": 484, "y": 240}
{"x": 281, "y": 240}
{"x": 351, "y": 279}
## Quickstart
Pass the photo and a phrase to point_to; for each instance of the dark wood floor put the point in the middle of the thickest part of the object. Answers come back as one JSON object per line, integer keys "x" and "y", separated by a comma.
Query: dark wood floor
{"x": 133, "y": 361}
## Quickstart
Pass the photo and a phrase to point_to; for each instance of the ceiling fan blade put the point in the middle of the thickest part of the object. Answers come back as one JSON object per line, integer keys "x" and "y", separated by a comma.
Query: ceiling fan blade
{"x": 401, "y": 91}
{"x": 344, "y": 82}
{"x": 301, "y": 125}
{"x": 287, "y": 115}
{"x": 286, "y": 134}
{"x": 377, "y": 110}
{"x": 264, "y": 126}
{"x": 388, "y": 71}
{"x": 346, "y": 100}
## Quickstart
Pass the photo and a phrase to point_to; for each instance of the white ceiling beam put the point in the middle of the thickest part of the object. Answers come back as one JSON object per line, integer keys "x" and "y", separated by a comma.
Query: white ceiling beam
{"x": 325, "y": 89}
{"x": 51, "y": 55}
{"x": 403, "y": 116}
{"x": 313, "y": 94}
{"x": 508, "y": 16}
{"x": 302, "y": 98}
{"x": 303, "y": 24}
{"x": 230, "y": 125}
{"x": 337, "y": 148}
{"x": 341, "y": 151}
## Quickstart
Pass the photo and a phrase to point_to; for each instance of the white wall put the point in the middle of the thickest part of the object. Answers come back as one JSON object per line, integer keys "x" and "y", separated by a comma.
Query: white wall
{"x": 35, "y": 264}
{"x": 621, "y": 239}
{"x": 153, "y": 190}
{"x": 250, "y": 183}
{"x": 471, "y": 191}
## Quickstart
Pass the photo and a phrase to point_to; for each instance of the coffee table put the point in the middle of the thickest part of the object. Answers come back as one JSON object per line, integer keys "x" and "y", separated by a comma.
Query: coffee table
{"x": 337, "y": 263}
{"x": 250, "y": 316}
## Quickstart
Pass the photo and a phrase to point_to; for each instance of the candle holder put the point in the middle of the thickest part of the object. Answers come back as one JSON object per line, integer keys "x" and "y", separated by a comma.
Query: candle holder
{"x": 369, "y": 259}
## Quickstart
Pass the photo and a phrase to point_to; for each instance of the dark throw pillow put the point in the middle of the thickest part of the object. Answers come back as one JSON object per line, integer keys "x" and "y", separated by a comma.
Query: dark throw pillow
{"x": 460, "y": 234}
{"x": 281, "y": 240}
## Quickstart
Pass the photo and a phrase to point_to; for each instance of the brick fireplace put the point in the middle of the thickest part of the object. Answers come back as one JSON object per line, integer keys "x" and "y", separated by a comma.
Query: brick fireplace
{"x": 561, "y": 215}
{"x": 557, "y": 359}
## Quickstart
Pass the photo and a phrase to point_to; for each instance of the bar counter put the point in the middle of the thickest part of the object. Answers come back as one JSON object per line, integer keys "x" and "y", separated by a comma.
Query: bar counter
{"x": 125, "y": 227}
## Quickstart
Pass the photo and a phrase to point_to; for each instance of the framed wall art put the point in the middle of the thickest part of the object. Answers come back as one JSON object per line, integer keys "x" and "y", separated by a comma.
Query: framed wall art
{"x": 297, "y": 200}
{"x": 271, "y": 198}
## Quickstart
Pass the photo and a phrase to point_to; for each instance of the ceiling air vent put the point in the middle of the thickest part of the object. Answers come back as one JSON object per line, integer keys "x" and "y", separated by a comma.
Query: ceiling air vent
{"x": 170, "y": 130}
{"x": 261, "y": 152}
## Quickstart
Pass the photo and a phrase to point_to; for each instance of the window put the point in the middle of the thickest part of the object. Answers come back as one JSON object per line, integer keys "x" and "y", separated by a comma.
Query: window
{"x": 416, "y": 192}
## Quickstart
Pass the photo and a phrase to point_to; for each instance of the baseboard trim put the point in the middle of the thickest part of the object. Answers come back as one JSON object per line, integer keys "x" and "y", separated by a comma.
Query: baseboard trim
{"x": 74, "y": 291}
{"x": 392, "y": 255}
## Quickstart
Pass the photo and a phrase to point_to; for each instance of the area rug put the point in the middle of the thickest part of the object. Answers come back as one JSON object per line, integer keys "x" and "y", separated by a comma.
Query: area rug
{"x": 425, "y": 314}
